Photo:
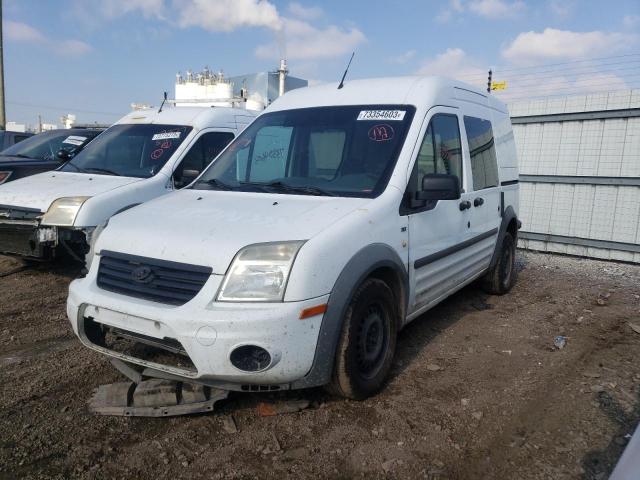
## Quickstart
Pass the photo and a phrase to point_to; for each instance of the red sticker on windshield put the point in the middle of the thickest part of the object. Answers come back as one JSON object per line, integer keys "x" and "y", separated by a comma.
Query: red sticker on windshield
{"x": 157, "y": 153}
{"x": 381, "y": 133}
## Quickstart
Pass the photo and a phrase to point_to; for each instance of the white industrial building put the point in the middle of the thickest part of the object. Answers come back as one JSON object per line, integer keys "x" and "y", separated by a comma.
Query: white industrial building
{"x": 253, "y": 91}
{"x": 579, "y": 160}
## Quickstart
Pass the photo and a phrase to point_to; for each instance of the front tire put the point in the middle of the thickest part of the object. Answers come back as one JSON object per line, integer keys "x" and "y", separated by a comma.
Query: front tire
{"x": 502, "y": 277}
{"x": 367, "y": 342}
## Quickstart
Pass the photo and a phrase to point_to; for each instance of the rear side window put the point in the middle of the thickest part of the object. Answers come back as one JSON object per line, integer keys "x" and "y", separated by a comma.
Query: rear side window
{"x": 440, "y": 151}
{"x": 19, "y": 138}
{"x": 484, "y": 166}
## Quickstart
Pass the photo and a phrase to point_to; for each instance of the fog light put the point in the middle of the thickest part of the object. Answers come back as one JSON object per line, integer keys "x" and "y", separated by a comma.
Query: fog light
{"x": 250, "y": 358}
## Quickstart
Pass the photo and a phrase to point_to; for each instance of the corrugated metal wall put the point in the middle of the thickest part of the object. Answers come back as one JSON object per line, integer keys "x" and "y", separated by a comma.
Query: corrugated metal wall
{"x": 579, "y": 161}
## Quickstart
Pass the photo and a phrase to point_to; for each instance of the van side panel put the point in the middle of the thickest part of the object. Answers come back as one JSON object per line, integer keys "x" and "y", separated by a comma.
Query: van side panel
{"x": 507, "y": 158}
{"x": 505, "y": 146}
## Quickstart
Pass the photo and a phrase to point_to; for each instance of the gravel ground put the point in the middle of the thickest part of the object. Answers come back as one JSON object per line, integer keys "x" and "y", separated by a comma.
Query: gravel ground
{"x": 478, "y": 390}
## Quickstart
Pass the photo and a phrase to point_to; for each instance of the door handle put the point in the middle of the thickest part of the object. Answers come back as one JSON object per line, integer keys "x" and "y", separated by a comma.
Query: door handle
{"x": 465, "y": 205}
{"x": 478, "y": 201}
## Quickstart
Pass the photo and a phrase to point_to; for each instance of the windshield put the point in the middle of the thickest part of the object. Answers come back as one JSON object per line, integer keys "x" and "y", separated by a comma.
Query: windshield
{"x": 129, "y": 150}
{"x": 343, "y": 151}
{"x": 45, "y": 146}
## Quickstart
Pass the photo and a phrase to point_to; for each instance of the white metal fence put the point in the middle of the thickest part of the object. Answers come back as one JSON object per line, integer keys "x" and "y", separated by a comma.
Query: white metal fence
{"x": 579, "y": 161}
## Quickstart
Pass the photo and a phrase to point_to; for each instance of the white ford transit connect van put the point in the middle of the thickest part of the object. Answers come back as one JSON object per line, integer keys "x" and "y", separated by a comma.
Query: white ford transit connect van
{"x": 144, "y": 155}
{"x": 334, "y": 219}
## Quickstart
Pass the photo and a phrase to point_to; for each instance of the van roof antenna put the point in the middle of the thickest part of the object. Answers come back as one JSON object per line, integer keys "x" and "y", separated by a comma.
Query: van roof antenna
{"x": 162, "y": 104}
{"x": 345, "y": 72}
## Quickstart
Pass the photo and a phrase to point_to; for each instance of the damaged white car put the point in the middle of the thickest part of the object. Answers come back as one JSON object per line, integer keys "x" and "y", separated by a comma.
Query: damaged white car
{"x": 338, "y": 216}
{"x": 143, "y": 156}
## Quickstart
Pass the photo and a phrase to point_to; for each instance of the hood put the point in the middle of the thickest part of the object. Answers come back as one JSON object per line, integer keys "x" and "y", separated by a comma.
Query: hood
{"x": 39, "y": 191}
{"x": 209, "y": 227}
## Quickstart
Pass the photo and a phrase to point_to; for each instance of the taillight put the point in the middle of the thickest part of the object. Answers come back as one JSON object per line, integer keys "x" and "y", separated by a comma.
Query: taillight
{"x": 4, "y": 176}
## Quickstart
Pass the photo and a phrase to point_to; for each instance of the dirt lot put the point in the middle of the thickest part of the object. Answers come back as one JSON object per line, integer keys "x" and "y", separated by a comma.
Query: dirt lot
{"x": 477, "y": 391}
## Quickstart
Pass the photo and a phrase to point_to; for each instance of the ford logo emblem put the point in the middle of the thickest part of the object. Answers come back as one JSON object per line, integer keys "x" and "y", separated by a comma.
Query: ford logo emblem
{"x": 142, "y": 274}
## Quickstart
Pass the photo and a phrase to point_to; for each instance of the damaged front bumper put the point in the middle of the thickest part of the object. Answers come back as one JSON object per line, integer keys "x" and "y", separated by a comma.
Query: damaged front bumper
{"x": 22, "y": 234}
{"x": 197, "y": 342}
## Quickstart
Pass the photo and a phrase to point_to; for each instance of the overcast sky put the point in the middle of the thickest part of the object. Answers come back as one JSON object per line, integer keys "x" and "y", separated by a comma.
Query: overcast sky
{"x": 94, "y": 57}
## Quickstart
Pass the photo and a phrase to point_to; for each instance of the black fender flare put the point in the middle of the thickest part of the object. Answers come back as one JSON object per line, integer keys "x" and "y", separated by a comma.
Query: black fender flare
{"x": 357, "y": 269}
{"x": 507, "y": 216}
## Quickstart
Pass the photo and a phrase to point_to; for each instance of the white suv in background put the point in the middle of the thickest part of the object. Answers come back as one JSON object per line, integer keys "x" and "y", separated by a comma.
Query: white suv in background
{"x": 333, "y": 220}
{"x": 144, "y": 155}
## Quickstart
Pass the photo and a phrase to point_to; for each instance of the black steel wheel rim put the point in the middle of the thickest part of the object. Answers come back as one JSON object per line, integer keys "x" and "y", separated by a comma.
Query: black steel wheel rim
{"x": 372, "y": 341}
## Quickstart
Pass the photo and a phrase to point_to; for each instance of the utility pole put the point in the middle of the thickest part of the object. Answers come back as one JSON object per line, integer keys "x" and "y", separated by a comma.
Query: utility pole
{"x": 39, "y": 123}
{"x": 3, "y": 120}
{"x": 489, "y": 81}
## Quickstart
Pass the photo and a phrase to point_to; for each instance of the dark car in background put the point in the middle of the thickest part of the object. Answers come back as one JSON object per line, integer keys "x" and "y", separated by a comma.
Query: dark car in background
{"x": 8, "y": 138}
{"x": 42, "y": 152}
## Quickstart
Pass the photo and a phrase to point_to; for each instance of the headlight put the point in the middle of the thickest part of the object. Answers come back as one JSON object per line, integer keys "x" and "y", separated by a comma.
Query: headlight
{"x": 63, "y": 211}
{"x": 4, "y": 176}
{"x": 259, "y": 273}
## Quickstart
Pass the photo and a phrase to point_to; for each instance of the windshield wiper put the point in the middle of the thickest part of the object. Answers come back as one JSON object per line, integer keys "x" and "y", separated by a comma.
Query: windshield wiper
{"x": 304, "y": 189}
{"x": 100, "y": 170}
{"x": 22, "y": 155}
{"x": 214, "y": 182}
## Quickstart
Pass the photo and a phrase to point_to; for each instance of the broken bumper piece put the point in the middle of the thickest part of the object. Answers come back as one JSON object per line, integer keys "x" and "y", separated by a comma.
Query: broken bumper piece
{"x": 154, "y": 398}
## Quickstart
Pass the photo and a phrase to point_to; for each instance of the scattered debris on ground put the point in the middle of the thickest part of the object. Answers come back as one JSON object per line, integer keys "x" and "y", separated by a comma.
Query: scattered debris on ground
{"x": 279, "y": 408}
{"x": 560, "y": 341}
{"x": 503, "y": 402}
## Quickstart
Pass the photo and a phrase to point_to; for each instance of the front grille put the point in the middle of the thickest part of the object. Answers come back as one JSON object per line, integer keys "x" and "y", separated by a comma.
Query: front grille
{"x": 161, "y": 281}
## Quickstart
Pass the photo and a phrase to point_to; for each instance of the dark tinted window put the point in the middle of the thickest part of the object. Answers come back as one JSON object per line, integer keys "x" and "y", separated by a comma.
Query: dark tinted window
{"x": 129, "y": 150}
{"x": 440, "y": 151}
{"x": 346, "y": 150}
{"x": 206, "y": 148}
{"x": 19, "y": 138}
{"x": 484, "y": 166}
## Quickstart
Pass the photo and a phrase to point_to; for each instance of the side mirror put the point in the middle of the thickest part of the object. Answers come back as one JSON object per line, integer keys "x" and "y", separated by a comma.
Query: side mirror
{"x": 63, "y": 155}
{"x": 186, "y": 178}
{"x": 436, "y": 186}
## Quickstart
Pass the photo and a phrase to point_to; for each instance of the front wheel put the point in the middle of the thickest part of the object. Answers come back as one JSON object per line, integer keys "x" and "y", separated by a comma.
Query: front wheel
{"x": 367, "y": 343}
{"x": 502, "y": 277}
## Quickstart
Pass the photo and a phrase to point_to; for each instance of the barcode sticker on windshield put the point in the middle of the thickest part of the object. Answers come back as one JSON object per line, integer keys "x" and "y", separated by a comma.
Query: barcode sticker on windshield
{"x": 165, "y": 136}
{"x": 74, "y": 140}
{"x": 381, "y": 115}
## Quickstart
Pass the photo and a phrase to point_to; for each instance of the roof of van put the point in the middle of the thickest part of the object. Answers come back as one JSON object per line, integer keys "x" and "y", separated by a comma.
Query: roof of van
{"x": 407, "y": 90}
{"x": 198, "y": 117}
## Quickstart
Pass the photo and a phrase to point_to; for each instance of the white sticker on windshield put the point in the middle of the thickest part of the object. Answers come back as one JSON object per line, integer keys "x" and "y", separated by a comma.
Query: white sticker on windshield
{"x": 381, "y": 115}
{"x": 75, "y": 140}
{"x": 165, "y": 136}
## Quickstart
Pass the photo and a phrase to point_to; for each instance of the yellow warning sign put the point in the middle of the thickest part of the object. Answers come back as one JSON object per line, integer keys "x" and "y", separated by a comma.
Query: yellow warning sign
{"x": 499, "y": 85}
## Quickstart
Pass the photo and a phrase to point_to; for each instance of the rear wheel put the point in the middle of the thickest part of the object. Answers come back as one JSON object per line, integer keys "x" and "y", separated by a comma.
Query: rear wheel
{"x": 502, "y": 277}
{"x": 367, "y": 343}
